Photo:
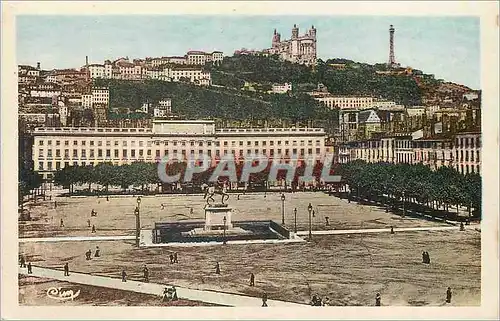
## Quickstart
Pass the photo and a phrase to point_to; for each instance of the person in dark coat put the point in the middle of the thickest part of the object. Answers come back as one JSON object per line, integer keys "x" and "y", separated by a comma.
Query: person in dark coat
{"x": 217, "y": 268}
{"x": 62, "y": 223}
{"x": 97, "y": 252}
{"x": 66, "y": 269}
{"x": 428, "y": 257}
{"x": 146, "y": 273}
{"x": 93, "y": 228}
{"x": 29, "y": 268}
{"x": 88, "y": 222}
{"x": 22, "y": 261}
{"x": 171, "y": 258}
{"x": 175, "y": 258}
{"x": 392, "y": 229}
{"x": 448, "y": 295}
{"x": 124, "y": 276}
{"x": 264, "y": 300}
{"x": 462, "y": 227}
{"x": 252, "y": 279}
{"x": 377, "y": 299}
{"x": 88, "y": 255}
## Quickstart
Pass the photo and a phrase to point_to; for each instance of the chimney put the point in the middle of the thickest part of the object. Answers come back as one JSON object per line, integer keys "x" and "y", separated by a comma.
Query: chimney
{"x": 38, "y": 65}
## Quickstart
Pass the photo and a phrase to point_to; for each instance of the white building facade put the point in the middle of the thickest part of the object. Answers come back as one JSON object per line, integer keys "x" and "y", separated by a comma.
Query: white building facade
{"x": 55, "y": 148}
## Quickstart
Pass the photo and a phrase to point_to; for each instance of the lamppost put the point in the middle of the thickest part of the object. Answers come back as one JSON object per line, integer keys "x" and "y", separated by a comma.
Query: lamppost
{"x": 310, "y": 208}
{"x": 295, "y": 220}
{"x": 137, "y": 222}
{"x": 224, "y": 227}
{"x": 282, "y": 209}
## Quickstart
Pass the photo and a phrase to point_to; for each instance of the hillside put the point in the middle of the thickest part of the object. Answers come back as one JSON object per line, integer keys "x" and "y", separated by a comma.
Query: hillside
{"x": 191, "y": 101}
{"x": 341, "y": 76}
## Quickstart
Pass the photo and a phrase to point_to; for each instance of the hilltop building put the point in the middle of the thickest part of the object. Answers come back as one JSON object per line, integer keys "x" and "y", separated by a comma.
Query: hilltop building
{"x": 297, "y": 49}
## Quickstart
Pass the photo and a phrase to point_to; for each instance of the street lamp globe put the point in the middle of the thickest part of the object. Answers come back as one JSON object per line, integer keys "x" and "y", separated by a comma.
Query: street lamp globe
{"x": 136, "y": 211}
{"x": 310, "y": 207}
{"x": 139, "y": 200}
{"x": 283, "y": 197}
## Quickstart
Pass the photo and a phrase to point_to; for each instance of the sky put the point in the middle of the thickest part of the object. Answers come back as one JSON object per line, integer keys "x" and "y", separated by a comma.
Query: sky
{"x": 447, "y": 47}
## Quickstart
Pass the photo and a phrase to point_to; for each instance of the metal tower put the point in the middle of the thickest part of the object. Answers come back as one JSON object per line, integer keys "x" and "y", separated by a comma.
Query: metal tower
{"x": 392, "y": 60}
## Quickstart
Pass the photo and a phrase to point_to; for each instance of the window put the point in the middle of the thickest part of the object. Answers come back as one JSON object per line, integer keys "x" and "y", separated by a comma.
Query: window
{"x": 99, "y": 143}
{"x": 264, "y": 143}
{"x": 40, "y": 152}
{"x": 108, "y": 152}
{"x": 477, "y": 158}
{"x": 116, "y": 153}
{"x": 99, "y": 153}
{"x": 40, "y": 143}
{"x": 116, "y": 143}
{"x": 318, "y": 151}
{"x": 91, "y": 143}
{"x": 141, "y": 143}
{"x": 132, "y": 153}
{"x": 141, "y": 152}
{"x": 75, "y": 143}
{"x": 49, "y": 166}
{"x": 466, "y": 155}
{"x": 256, "y": 143}
{"x": 40, "y": 166}
{"x": 58, "y": 142}
{"x": 49, "y": 142}
{"x": 91, "y": 153}
{"x": 84, "y": 153}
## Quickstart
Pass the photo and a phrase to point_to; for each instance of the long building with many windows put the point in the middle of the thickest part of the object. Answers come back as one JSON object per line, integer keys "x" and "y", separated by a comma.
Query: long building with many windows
{"x": 55, "y": 148}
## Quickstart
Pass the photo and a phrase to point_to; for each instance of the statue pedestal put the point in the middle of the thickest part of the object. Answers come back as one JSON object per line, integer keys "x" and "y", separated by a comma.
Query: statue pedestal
{"x": 214, "y": 217}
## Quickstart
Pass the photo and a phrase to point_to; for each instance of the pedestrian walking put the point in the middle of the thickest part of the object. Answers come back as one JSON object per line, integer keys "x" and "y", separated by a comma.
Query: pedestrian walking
{"x": 217, "y": 268}
{"x": 88, "y": 255}
{"x": 428, "y": 258}
{"x": 62, "y": 223}
{"x": 191, "y": 211}
{"x": 107, "y": 198}
{"x": 252, "y": 279}
{"x": 97, "y": 252}
{"x": 462, "y": 227}
{"x": 30, "y": 271}
{"x": 22, "y": 261}
{"x": 424, "y": 257}
{"x": 377, "y": 299}
{"x": 66, "y": 269}
{"x": 392, "y": 229}
{"x": 146, "y": 273}
{"x": 93, "y": 228}
{"x": 448, "y": 295}
{"x": 162, "y": 206}
{"x": 88, "y": 222}
{"x": 264, "y": 299}
{"x": 175, "y": 258}
{"x": 124, "y": 276}
{"x": 171, "y": 258}
{"x": 55, "y": 204}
